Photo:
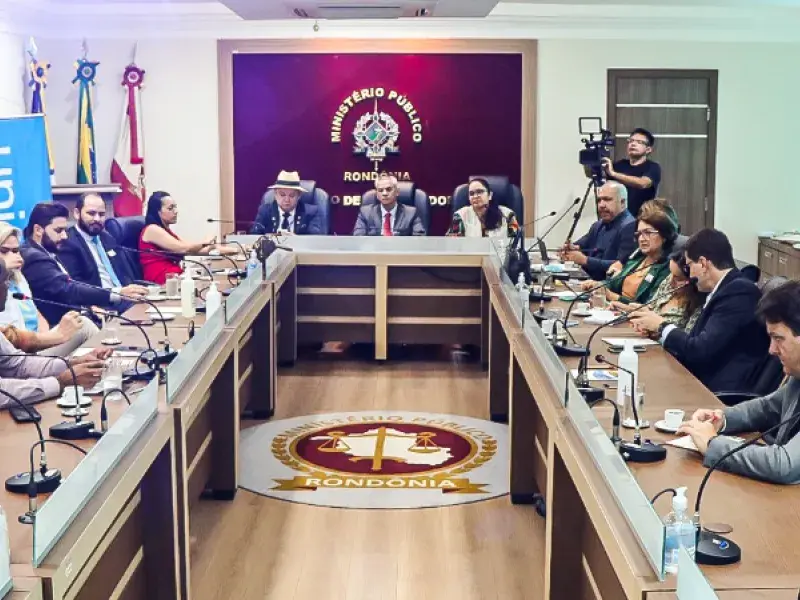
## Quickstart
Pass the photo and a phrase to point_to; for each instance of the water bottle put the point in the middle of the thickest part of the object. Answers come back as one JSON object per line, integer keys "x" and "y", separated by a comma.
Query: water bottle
{"x": 524, "y": 292}
{"x": 252, "y": 263}
{"x": 680, "y": 531}
{"x": 213, "y": 299}
{"x": 629, "y": 360}
{"x": 188, "y": 310}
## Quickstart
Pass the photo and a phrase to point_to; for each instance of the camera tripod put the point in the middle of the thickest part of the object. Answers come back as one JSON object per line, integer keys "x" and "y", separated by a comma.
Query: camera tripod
{"x": 592, "y": 187}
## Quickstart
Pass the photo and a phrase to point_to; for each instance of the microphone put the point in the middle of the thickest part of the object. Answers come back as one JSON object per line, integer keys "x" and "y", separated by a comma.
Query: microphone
{"x": 256, "y": 228}
{"x": 540, "y": 239}
{"x": 713, "y": 549}
{"x": 582, "y": 381}
{"x": 636, "y": 451}
{"x": 44, "y": 480}
{"x": 104, "y": 411}
{"x": 30, "y": 517}
{"x": 266, "y": 247}
{"x": 615, "y": 437}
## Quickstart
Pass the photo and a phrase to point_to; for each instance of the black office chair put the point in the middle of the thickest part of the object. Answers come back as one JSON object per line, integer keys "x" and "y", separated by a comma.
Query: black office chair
{"x": 408, "y": 194}
{"x": 315, "y": 195}
{"x": 504, "y": 192}
{"x": 769, "y": 375}
{"x": 126, "y": 230}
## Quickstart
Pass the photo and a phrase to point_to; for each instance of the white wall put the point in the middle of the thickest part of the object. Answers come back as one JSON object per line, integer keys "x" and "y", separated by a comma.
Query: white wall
{"x": 757, "y": 125}
{"x": 757, "y": 113}
{"x": 12, "y": 75}
{"x": 179, "y": 114}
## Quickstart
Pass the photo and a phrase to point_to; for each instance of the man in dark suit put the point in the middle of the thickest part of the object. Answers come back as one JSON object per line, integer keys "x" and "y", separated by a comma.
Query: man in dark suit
{"x": 47, "y": 276}
{"x": 91, "y": 254}
{"x": 388, "y": 217}
{"x": 610, "y": 239}
{"x": 287, "y": 214}
{"x": 728, "y": 345}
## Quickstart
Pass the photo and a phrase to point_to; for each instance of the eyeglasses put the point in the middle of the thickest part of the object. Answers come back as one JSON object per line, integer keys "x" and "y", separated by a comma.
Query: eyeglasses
{"x": 638, "y": 141}
{"x": 7, "y": 250}
{"x": 476, "y": 193}
{"x": 645, "y": 232}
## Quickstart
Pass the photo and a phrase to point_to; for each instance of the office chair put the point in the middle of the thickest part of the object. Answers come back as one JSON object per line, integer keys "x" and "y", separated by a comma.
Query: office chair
{"x": 504, "y": 192}
{"x": 126, "y": 230}
{"x": 408, "y": 194}
{"x": 315, "y": 195}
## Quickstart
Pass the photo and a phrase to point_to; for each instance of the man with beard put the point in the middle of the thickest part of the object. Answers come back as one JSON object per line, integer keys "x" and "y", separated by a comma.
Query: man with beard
{"x": 47, "y": 276}
{"x": 637, "y": 172}
{"x": 610, "y": 239}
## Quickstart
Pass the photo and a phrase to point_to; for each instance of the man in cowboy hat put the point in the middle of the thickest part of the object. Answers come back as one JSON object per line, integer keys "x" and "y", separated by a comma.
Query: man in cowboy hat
{"x": 287, "y": 214}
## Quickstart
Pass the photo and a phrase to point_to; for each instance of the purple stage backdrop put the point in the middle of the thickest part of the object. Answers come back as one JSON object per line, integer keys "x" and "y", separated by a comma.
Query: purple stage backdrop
{"x": 437, "y": 118}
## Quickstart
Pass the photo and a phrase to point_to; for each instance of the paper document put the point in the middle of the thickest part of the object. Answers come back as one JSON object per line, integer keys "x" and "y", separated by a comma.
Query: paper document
{"x": 687, "y": 443}
{"x": 607, "y": 375}
{"x": 637, "y": 342}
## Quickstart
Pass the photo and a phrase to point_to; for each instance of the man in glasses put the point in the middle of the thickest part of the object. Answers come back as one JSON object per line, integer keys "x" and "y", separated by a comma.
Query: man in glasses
{"x": 49, "y": 279}
{"x": 637, "y": 172}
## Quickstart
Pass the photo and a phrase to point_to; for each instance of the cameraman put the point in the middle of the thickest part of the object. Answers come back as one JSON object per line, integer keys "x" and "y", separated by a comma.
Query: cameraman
{"x": 637, "y": 173}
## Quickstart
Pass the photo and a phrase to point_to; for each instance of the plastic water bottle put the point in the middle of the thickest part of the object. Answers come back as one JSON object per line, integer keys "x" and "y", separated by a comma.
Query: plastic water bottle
{"x": 524, "y": 292}
{"x": 213, "y": 300}
{"x": 252, "y": 263}
{"x": 629, "y": 360}
{"x": 188, "y": 310}
{"x": 680, "y": 531}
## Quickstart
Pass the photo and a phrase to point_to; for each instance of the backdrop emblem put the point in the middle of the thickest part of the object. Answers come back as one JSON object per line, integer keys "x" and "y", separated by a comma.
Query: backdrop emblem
{"x": 369, "y": 460}
{"x": 376, "y": 135}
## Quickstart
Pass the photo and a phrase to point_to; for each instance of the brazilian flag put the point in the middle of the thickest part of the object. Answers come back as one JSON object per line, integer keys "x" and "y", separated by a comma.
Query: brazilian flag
{"x": 87, "y": 163}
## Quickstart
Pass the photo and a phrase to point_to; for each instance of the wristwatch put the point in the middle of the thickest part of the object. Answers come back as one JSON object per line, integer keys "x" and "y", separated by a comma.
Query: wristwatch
{"x": 661, "y": 328}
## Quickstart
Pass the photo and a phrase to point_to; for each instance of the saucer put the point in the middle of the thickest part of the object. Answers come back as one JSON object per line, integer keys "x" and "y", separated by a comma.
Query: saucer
{"x": 71, "y": 412}
{"x": 162, "y": 317}
{"x": 111, "y": 342}
{"x": 159, "y": 298}
{"x": 580, "y": 313}
{"x": 67, "y": 403}
{"x": 662, "y": 426}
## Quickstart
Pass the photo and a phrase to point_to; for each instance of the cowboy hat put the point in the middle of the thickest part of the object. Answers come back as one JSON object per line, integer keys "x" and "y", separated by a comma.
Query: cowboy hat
{"x": 288, "y": 180}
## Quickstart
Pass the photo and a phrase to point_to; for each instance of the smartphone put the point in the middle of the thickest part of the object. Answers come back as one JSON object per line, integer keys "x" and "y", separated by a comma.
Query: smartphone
{"x": 134, "y": 322}
{"x": 619, "y": 349}
{"x": 20, "y": 415}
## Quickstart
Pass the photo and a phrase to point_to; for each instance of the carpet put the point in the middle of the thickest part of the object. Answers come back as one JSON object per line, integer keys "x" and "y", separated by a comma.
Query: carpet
{"x": 376, "y": 460}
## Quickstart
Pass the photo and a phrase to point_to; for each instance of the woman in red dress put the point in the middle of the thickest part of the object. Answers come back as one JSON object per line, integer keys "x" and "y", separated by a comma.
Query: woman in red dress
{"x": 162, "y": 211}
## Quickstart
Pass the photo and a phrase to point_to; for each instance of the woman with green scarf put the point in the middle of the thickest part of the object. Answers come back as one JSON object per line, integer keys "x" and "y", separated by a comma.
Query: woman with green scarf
{"x": 656, "y": 232}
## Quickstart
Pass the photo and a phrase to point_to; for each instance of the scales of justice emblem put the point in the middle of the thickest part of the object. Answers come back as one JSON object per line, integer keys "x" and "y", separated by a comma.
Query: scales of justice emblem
{"x": 376, "y": 135}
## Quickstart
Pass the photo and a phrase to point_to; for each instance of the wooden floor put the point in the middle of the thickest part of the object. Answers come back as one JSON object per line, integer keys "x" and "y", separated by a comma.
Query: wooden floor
{"x": 259, "y": 548}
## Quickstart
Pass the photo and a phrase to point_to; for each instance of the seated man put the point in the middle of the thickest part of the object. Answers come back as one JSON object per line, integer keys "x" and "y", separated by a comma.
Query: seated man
{"x": 91, "y": 255}
{"x": 610, "y": 239}
{"x": 34, "y": 378}
{"x": 778, "y": 462}
{"x": 287, "y": 214}
{"x": 388, "y": 216}
{"x": 727, "y": 345}
{"x": 47, "y": 276}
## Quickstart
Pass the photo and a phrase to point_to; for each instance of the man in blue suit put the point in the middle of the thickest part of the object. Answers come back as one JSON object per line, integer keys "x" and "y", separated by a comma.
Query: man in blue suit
{"x": 287, "y": 214}
{"x": 91, "y": 254}
{"x": 727, "y": 346}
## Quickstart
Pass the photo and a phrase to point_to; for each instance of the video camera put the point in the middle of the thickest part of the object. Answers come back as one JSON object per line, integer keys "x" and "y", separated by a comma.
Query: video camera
{"x": 596, "y": 149}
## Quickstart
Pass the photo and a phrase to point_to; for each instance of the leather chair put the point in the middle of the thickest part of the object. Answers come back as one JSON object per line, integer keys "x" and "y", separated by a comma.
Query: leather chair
{"x": 408, "y": 194}
{"x": 126, "y": 230}
{"x": 315, "y": 195}
{"x": 504, "y": 192}
{"x": 770, "y": 374}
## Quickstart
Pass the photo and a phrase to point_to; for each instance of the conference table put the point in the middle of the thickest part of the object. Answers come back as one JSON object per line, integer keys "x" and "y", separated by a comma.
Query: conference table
{"x": 119, "y": 524}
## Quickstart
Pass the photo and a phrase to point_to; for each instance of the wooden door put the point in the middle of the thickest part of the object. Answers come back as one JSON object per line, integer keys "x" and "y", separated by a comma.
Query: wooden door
{"x": 679, "y": 108}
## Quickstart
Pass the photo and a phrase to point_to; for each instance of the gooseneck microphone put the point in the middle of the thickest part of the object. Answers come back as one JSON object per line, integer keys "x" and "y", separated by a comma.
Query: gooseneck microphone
{"x": 713, "y": 549}
{"x": 45, "y": 480}
{"x": 615, "y": 437}
{"x": 104, "y": 410}
{"x": 516, "y": 260}
{"x": 30, "y": 517}
{"x": 636, "y": 451}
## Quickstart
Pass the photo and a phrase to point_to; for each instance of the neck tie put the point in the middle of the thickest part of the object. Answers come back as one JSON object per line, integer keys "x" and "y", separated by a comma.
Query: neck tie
{"x": 101, "y": 252}
{"x": 387, "y": 224}
{"x": 285, "y": 223}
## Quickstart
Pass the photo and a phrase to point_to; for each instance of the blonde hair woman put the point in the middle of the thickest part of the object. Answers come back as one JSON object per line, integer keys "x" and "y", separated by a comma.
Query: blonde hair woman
{"x": 21, "y": 323}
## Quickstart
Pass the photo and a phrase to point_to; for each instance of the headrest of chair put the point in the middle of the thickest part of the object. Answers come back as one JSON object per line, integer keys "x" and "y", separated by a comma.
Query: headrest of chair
{"x": 406, "y": 191}
{"x": 310, "y": 186}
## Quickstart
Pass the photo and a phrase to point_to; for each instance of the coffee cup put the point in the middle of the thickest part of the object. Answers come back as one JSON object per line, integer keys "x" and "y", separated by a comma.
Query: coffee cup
{"x": 673, "y": 417}
{"x": 582, "y": 307}
{"x": 73, "y": 394}
{"x": 570, "y": 265}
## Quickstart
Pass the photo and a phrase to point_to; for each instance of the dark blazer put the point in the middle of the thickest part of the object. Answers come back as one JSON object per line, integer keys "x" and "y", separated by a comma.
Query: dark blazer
{"x": 307, "y": 219}
{"x": 76, "y": 256}
{"x": 727, "y": 345}
{"x": 606, "y": 243}
{"x": 49, "y": 282}
{"x": 406, "y": 221}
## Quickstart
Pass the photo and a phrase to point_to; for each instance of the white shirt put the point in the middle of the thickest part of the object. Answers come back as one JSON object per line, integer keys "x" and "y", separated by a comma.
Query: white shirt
{"x": 392, "y": 217}
{"x": 281, "y": 213}
{"x": 12, "y": 315}
{"x": 105, "y": 279}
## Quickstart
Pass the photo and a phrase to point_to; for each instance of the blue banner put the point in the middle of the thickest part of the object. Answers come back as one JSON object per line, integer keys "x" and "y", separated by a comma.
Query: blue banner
{"x": 24, "y": 168}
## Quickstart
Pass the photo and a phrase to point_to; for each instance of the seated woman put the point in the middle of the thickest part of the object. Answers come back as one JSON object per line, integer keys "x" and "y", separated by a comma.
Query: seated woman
{"x": 641, "y": 276}
{"x": 681, "y": 308}
{"x": 157, "y": 238}
{"x": 483, "y": 217}
{"x": 21, "y": 323}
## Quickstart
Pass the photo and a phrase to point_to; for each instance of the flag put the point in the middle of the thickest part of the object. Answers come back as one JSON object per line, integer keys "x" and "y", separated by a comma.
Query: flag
{"x": 127, "y": 168}
{"x": 38, "y": 82}
{"x": 87, "y": 163}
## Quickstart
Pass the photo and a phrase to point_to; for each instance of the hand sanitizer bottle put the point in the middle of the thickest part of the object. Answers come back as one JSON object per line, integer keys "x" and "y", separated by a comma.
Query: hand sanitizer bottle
{"x": 188, "y": 310}
{"x": 629, "y": 360}
{"x": 252, "y": 263}
{"x": 524, "y": 292}
{"x": 213, "y": 299}
{"x": 680, "y": 531}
